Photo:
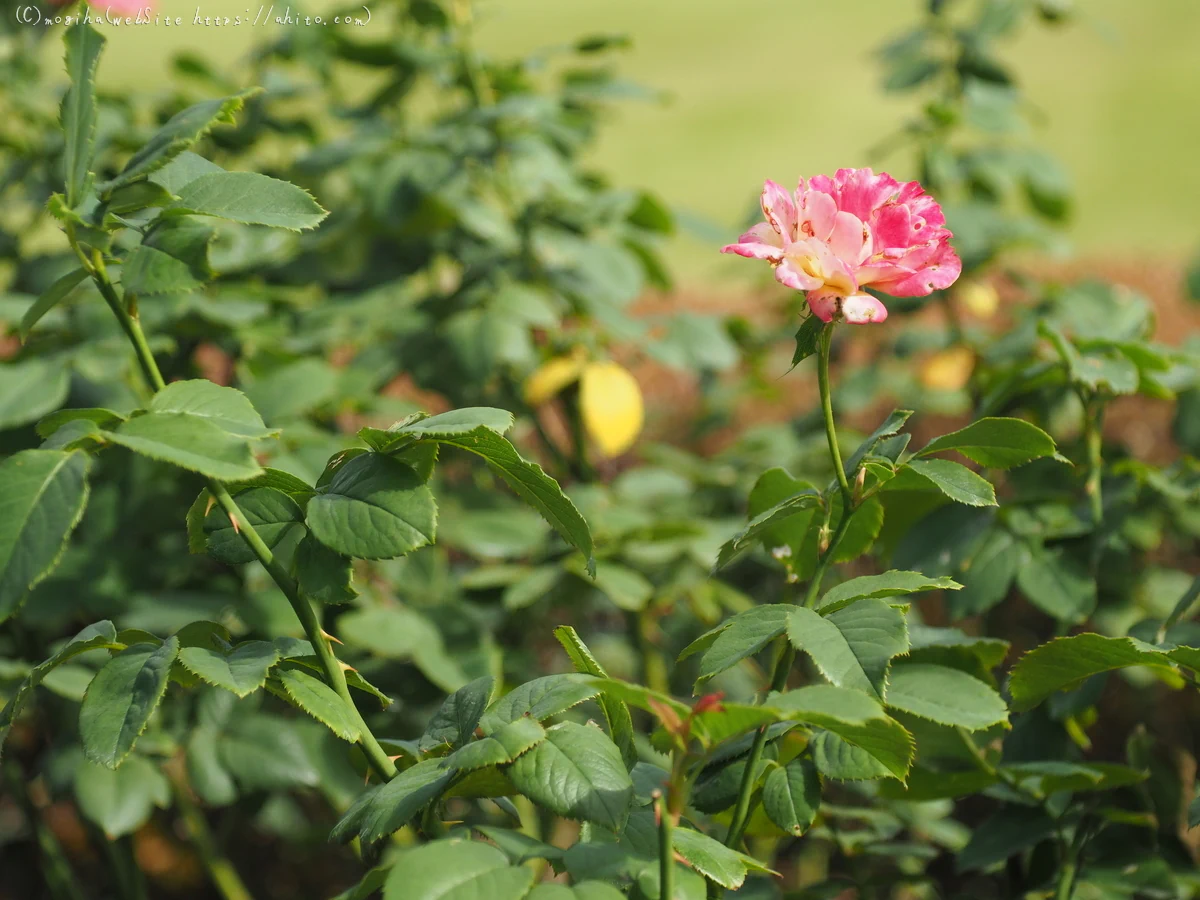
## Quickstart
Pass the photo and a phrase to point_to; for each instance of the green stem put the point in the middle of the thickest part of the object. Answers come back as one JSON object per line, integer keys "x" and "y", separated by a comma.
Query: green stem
{"x": 666, "y": 850}
{"x": 330, "y": 665}
{"x": 786, "y": 655}
{"x": 129, "y": 323}
{"x": 830, "y": 427}
{"x": 220, "y": 870}
{"x": 1066, "y": 879}
{"x": 335, "y": 675}
{"x": 583, "y": 466}
{"x": 1093, "y": 417}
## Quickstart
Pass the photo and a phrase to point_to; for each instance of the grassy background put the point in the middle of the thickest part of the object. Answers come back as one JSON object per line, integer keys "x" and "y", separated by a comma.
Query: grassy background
{"x": 782, "y": 88}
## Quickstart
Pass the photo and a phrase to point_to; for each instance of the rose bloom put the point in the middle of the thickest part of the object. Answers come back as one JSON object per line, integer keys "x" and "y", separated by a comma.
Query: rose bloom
{"x": 835, "y": 236}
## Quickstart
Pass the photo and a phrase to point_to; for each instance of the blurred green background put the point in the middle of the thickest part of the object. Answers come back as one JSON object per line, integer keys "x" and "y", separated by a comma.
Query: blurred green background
{"x": 783, "y": 88}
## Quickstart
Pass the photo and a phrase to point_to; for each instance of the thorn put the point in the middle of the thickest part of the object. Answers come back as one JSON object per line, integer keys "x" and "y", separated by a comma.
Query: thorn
{"x": 212, "y": 501}
{"x": 396, "y": 757}
{"x": 346, "y": 667}
{"x": 234, "y": 522}
{"x": 329, "y": 637}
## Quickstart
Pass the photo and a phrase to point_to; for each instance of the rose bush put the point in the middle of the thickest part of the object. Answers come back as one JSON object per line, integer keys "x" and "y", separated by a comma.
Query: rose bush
{"x": 294, "y": 606}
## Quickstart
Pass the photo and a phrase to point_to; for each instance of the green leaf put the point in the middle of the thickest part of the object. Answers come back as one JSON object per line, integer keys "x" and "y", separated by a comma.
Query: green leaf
{"x": 764, "y": 522}
{"x": 808, "y": 338}
{"x": 190, "y": 442}
{"x": 105, "y": 418}
{"x": 989, "y": 574}
{"x": 31, "y": 389}
{"x": 121, "y": 800}
{"x": 620, "y": 723}
{"x": 122, "y": 698}
{"x": 455, "y": 423}
{"x": 529, "y": 483}
{"x": 457, "y": 718}
{"x": 957, "y": 482}
{"x": 742, "y": 636}
{"x": 78, "y": 112}
{"x": 374, "y": 507}
{"x": 456, "y": 870}
{"x": 791, "y": 795}
{"x": 323, "y": 574}
{"x": 891, "y": 426}
{"x": 50, "y": 299}
{"x": 854, "y": 717}
{"x": 1058, "y": 584}
{"x": 540, "y": 699}
{"x": 502, "y": 746}
{"x": 1064, "y": 662}
{"x": 738, "y": 639}
{"x": 141, "y": 195}
{"x": 519, "y": 847}
{"x": 890, "y": 584}
{"x": 710, "y": 857}
{"x": 852, "y": 646}
{"x": 578, "y": 773}
{"x": 389, "y": 807}
{"x": 251, "y": 199}
{"x": 265, "y": 753}
{"x": 224, "y": 407}
{"x": 842, "y": 761}
{"x": 273, "y": 514}
{"x": 182, "y": 170}
{"x": 996, "y": 443}
{"x": 1008, "y": 832}
{"x": 42, "y": 497}
{"x": 944, "y": 695}
{"x": 625, "y": 587}
{"x": 242, "y": 670}
{"x": 98, "y": 635}
{"x": 179, "y": 133}
{"x": 320, "y": 701}
{"x": 172, "y": 259}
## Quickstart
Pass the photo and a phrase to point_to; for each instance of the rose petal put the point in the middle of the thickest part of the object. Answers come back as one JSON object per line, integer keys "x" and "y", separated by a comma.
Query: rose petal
{"x": 780, "y": 210}
{"x": 862, "y": 309}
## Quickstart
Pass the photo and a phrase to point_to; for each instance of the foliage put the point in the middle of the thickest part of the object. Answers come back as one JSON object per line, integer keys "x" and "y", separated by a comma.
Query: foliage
{"x": 303, "y": 606}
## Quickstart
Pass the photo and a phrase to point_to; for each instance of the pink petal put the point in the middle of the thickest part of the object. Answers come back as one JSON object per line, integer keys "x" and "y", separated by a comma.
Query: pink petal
{"x": 862, "y": 309}
{"x": 790, "y": 274}
{"x": 760, "y": 242}
{"x": 780, "y": 209}
{"x": 816, "y": 213}
{"x": 849, "y": 238}
{"x": 824, "y": 304}
{"x": 860, "y": 190}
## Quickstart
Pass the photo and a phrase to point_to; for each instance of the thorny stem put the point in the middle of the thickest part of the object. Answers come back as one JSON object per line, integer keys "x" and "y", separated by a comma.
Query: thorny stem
{"x": 330, "y": 665}
{"x": 786, "y": 655}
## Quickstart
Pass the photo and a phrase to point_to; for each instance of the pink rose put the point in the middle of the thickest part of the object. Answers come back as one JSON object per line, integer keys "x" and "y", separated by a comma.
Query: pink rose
{"x": 837, "y": 235}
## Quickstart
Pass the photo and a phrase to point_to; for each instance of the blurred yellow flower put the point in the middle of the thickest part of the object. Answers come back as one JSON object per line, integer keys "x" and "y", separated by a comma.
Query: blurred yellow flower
{"x": 610, "y": 400}
{"x": 948, "y": 370}
{"x": 551, "y": 377}
{"x": 979, "y": 298}
{"x": 611, "y": 403}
